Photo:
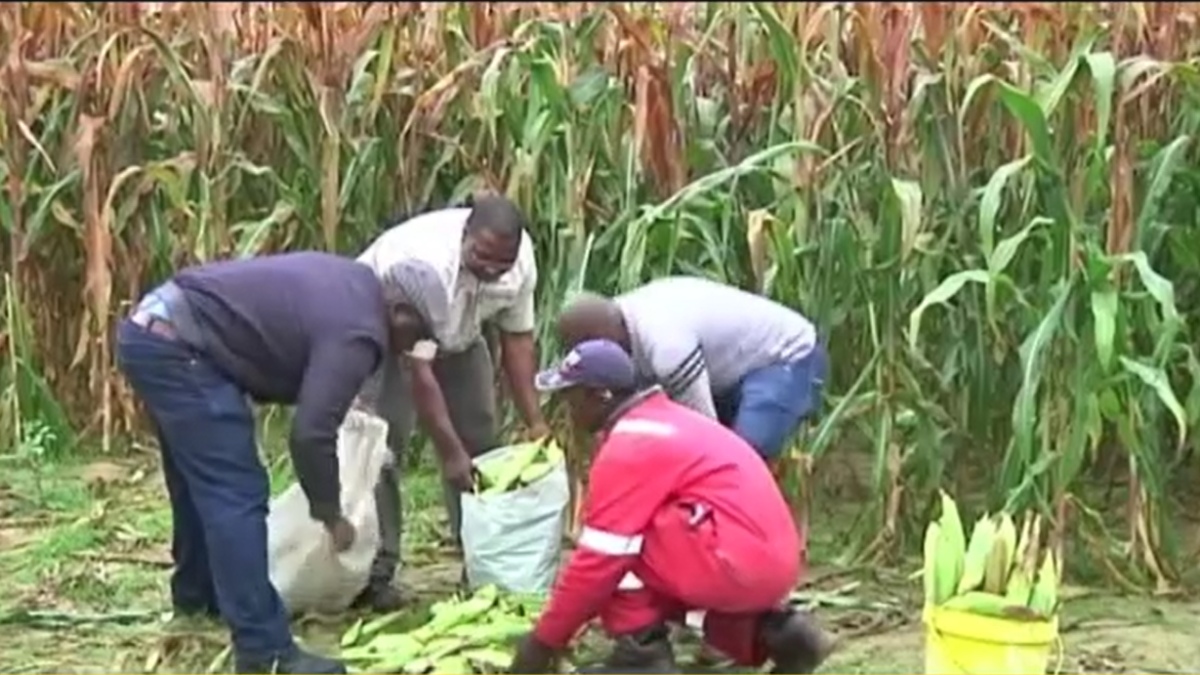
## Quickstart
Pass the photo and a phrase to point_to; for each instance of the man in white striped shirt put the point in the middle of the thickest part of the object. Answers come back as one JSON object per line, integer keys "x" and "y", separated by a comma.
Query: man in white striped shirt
{"x": 460, "y": 268}
{"x": 741, "y": 358}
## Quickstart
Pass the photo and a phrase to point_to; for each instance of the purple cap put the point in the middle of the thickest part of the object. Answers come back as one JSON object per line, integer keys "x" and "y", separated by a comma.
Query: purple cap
{"x": 598, "y": 364}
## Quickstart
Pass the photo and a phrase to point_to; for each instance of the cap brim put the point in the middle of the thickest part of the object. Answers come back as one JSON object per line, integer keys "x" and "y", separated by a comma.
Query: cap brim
{"x": 551, "y": 380}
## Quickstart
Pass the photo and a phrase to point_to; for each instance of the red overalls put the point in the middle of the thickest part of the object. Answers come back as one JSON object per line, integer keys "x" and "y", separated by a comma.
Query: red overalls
{"x": 682, "y": 522}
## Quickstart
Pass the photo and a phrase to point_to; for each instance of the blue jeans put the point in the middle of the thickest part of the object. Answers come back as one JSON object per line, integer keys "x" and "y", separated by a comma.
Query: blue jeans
{"x": 217, "y": 486}
{"x": 769, "y": 404}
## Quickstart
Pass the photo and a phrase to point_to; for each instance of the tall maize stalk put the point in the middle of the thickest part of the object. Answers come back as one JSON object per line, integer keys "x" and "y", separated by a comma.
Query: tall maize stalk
{"x": 989, "y": 209}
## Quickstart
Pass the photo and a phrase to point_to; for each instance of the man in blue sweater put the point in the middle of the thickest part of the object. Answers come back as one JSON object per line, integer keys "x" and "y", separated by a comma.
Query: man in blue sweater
{"x": 301, "y": 328}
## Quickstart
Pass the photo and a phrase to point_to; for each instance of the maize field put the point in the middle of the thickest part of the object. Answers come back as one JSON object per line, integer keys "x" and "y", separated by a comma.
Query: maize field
{"x": 989, "y": 209}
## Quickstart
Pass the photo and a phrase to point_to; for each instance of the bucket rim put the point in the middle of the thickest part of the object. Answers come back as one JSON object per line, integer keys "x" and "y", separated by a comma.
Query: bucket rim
{"x": 990, "y": 629}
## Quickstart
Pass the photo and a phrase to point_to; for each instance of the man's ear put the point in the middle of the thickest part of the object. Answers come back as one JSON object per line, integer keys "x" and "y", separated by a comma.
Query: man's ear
{"x": 396, "y": 315}
{"x": 401, "y": 313}
{"x": 404, "y": 316}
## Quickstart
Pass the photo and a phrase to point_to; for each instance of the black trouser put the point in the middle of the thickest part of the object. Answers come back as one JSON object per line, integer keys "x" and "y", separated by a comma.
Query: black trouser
{"x": 217, "y": 486}
{"x": 467, "y": 379}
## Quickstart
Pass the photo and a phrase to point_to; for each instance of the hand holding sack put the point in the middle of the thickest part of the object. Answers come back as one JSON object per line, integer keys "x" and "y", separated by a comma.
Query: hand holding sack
{"x": 342, "y": 533}
{"x": 322, "y": 567}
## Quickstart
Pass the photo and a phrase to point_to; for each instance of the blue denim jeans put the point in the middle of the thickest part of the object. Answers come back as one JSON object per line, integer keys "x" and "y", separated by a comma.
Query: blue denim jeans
{"x": 769, "y": 404}
{"x": 218, "y": 489}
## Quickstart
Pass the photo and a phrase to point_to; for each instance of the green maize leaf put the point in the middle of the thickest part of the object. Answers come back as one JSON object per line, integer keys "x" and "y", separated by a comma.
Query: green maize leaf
{"x": 1103, "y": 67}
{"x": 1033, "y": 119}
{"x": 989, "y": 205}
{"x": 1049, "y": 99}
{"x": 1157, "y": 380}
{"x": 1165, "y": 165}
{"x": 941, "y": 295}
{"x": 1105, "y": 305}
{"x": 1033, "y": 354}
{"x": 908, "y": 194}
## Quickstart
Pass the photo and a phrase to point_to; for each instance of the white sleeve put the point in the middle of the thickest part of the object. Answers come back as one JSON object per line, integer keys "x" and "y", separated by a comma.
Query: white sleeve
{"x": 424, "y": 350}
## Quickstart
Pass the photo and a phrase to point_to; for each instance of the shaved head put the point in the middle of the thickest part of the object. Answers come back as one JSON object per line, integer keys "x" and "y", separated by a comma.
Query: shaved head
{"x": 592, "y": 317}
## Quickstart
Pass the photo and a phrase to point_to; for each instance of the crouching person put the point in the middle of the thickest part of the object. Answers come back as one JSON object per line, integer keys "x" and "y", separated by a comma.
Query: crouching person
{"x": 682, "y": 523}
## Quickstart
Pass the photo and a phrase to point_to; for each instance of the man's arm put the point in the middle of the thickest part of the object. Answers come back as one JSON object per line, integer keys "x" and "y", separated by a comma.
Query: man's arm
{"x": 616, "y": 513}
{"x": 432, "y": 411}
{"x": 679, "y": 366}
{"x": 335, "y": 374}
{"x": 417, "y": 283}
{"x": 518, "y": 353}
{"x": 519, "y": 360}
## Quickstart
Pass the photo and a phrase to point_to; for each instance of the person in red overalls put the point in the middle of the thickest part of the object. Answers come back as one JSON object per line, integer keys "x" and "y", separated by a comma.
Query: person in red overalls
{"x": 682, "y": 522}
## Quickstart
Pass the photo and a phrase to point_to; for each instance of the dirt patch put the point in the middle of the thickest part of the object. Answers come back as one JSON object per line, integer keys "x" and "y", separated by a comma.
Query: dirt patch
{"x": 1114, "y": 634}
{"x": 1107, "y": 634}
{"x": 15, "y": 537}
{"x": 898, "y": 650}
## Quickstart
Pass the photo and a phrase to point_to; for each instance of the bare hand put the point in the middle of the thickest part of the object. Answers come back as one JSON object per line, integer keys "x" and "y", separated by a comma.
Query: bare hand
{"x": 534, "y": 657}
{"x": 538, "y": 432}
{"x": 342, "y": 533}
{"x": 460, "y": 473}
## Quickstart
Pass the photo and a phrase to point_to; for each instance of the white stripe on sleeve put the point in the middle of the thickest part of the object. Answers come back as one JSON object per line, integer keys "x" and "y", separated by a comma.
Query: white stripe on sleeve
{"x": 643, "y": 427}
{"x": 608, "y": 543}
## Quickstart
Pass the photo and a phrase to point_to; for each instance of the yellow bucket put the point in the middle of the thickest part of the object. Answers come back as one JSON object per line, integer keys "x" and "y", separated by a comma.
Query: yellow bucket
{"x": 959, "y": 643}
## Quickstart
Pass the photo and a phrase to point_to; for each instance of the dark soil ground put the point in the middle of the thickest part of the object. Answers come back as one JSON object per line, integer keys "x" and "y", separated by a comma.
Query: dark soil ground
{"x": 84, "y": 559}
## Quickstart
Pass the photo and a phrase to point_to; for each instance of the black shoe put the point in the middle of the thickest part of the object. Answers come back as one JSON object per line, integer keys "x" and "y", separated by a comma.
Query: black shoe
{"x": 208, "y": 612}
{"x": 647, "y": 651}
{"x": 192, "y": 619}
{"x": 795, "y": 643}
{"x": 298, "y": 661}
{"x": 382, "y": 598}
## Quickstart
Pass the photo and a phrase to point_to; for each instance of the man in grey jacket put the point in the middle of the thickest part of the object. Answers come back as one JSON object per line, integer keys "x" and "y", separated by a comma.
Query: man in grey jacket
{"x": 743, "y": 359}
